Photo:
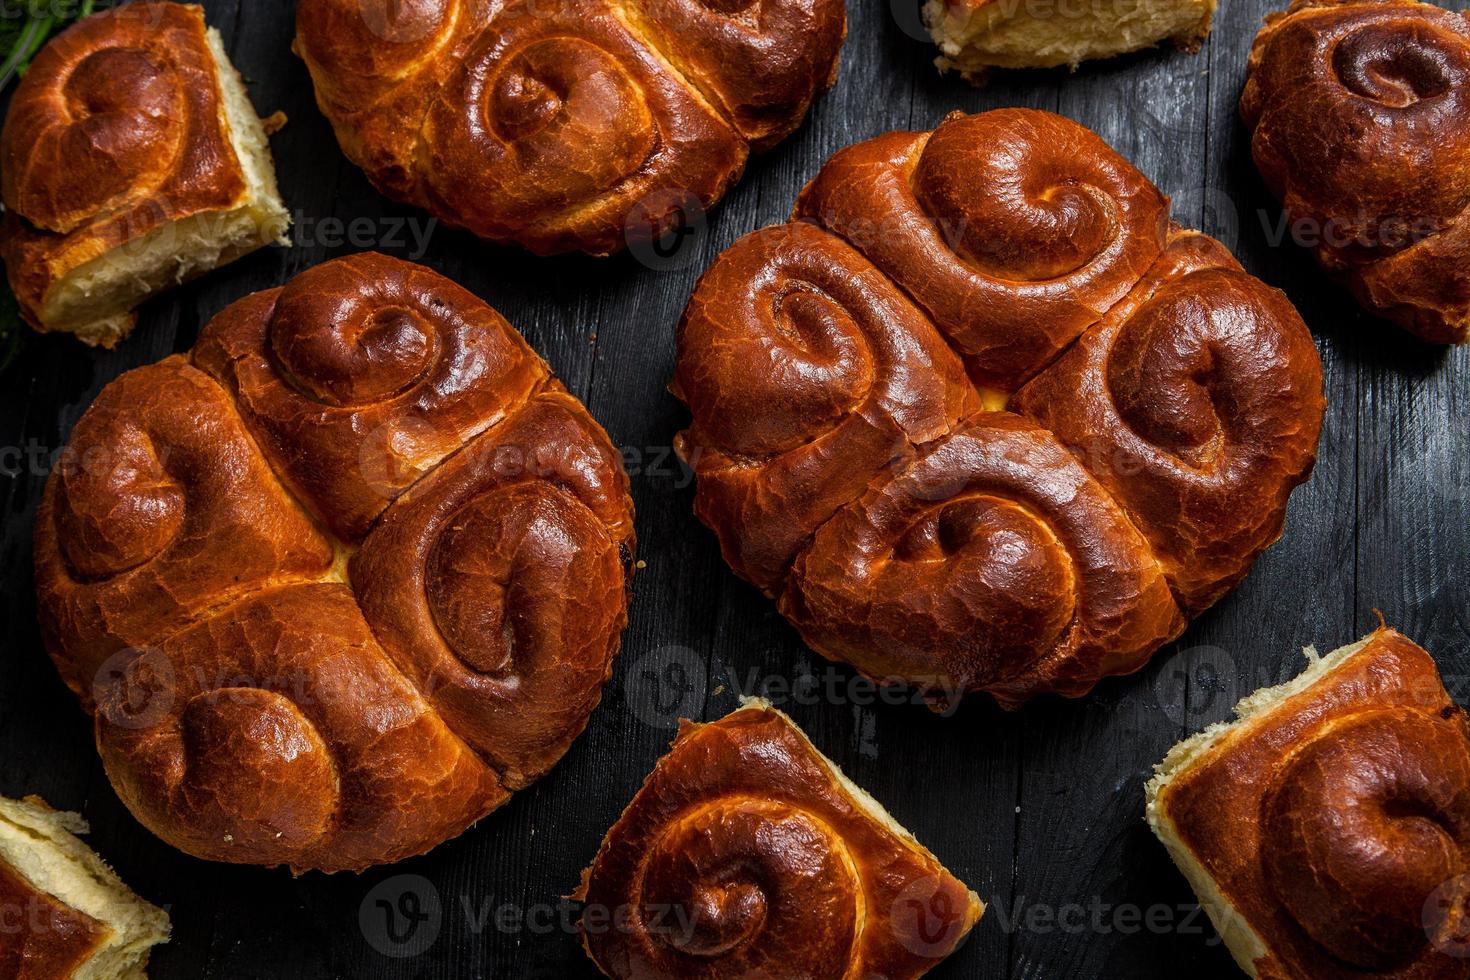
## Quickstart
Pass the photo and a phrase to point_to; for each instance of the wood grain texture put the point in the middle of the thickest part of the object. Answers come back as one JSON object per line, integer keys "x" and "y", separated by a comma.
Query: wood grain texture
{"x": 1040, "y": 811}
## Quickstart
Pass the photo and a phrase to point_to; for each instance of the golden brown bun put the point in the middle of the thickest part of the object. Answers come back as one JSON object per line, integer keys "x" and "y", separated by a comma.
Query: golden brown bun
{"x": 1327, "y": 831}
{"x": 131, "y": 160}
{"x": 66, "y": 915}
{"x": 747, "y": 853}
{"x": 976, "y": 35}
{"x": 340, "y": 581}
{"x": 575, "y": 125}
{"x": 839, "y": 369}
{"x": 1386, "y": 85}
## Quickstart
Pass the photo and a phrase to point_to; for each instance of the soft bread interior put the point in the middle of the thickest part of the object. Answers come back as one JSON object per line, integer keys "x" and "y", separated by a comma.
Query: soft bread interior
{"x": 41, "y": 845}
{"x": 870, "y": 806}
{"x": 96, "y": 299}
{"x": 1244, "y": 943}
{"x": 977, "y": 34}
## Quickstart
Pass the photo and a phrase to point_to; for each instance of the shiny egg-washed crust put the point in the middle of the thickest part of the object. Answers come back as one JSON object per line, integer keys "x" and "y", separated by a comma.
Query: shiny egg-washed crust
{"x": 117, "y": 130}
{"x": 571, "y": 124}
{"x": 1330, "y": 828}
{"x": 1386, "y": 85}
{"x": 1162, "y": 406}
{"x": 747, "y": 854}
{"x": 340, "y": 580}
{"x": 43, "y": 938}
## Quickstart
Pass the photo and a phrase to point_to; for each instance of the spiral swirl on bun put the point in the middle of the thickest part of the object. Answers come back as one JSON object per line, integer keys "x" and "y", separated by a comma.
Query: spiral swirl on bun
{"x": 565, "y": 125}
{"x": 1014, "y": 229}
{"x": 131, "y": 160}
{"x": 1398, "y": 778}
{"x": 843, "y": 373}
{"x": 342, "y": 580}
{"x": 1327, "y": 831}
{"x": 747, "y": 853}
{"x": 1385, "y": 84}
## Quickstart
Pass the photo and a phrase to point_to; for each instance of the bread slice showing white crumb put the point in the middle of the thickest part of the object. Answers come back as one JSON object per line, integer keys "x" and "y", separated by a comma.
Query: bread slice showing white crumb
{"x": 974, "y": 35}
{"x": 1244, "y": 943}
{"x": 40, "y": 845}
{"x": 95, "y": 300}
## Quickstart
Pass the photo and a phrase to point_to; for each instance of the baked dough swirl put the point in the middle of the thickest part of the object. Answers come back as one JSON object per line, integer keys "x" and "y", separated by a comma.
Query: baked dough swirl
{"x": 1386, "y": 85}
{"x": 570, "y": 125}
{"x": 1327, "y": 831}
{"x": 842, "y": 373}
{"x": 747, "y": 853}
{"x": 342, "y": 579}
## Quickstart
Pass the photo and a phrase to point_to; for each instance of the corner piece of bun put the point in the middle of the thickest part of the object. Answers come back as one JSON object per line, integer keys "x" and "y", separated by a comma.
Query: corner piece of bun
{"x": 977, "y": 35}
{"x": 1326, "y": 830}
{"x": 131, "y": 161}
{"x": 749, "y": 852}
{"x": 63, "y": 912}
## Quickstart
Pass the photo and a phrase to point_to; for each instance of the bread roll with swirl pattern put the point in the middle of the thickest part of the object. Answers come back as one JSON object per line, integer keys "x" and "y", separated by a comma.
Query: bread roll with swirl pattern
{"x": 1327, "y": 829}
{"x": 843, "y": 374}
{"x": 571, "y": 125}
{"x": 131, "y": 160}
{"x": 747, "y": 853}
{"x": 1385, "y": 84}
{"x": 339, "y": 581}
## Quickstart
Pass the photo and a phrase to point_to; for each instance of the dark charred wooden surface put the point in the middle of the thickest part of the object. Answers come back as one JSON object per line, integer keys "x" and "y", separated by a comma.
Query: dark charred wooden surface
{"x": 1040, "y": 811}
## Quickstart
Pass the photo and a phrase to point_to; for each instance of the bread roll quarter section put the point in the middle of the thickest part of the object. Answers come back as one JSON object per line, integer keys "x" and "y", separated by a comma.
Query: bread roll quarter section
{"x": 131, "y": 160}
{"x": 342, "y": 578}
{"x": 747, "y": 853}
{"x": 1327, "y": 829}
{"x": 64, "y": 914}
{"x": 570, "y": 125}
{"x": 982, "y": 418}
{"x": 975, "y": 36}
{"x": 1386, "y": 85}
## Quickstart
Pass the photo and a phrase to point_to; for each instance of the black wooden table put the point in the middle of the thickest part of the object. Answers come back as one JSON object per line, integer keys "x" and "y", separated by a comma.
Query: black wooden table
{"x": 1039, "y": 811}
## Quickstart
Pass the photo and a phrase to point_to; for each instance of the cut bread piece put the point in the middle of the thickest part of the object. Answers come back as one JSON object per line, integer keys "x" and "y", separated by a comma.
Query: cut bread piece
{"x": 974, "y": 35}
{"x": 88, "y": 236}
{"x": 1264, "y": 818}
{"x": 749, "y": 849}
{"x": 66, "y": 914}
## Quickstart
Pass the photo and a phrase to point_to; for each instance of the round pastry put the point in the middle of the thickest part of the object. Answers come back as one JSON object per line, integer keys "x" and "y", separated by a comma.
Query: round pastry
{"x": 340, "y": 580}
{"x": 1386, "y": 85}
{"x": 571, "y": 125}
{"x": 843, "y": 373}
